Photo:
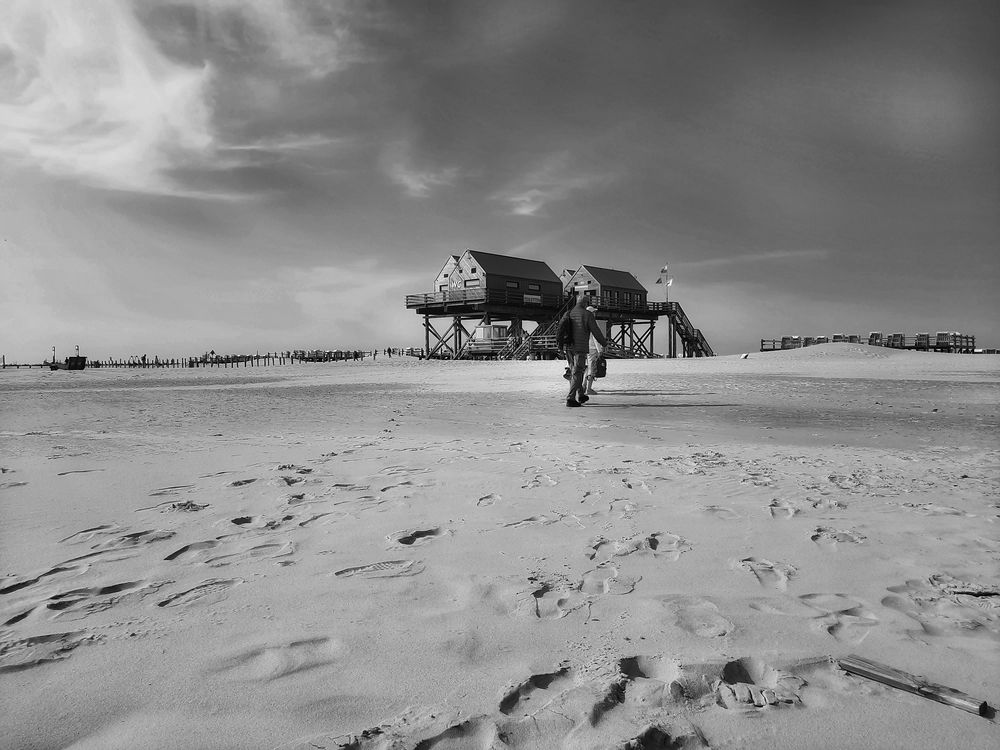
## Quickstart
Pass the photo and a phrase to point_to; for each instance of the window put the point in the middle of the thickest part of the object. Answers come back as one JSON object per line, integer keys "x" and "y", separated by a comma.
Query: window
{"x": 442, "y": 287}
{"x": 473, "y": 270}
{"x": 470, "y": 283}
{"x": 534, "y": 288}
{"x": 513, "y": 285}
{"x": 446, "y": 276}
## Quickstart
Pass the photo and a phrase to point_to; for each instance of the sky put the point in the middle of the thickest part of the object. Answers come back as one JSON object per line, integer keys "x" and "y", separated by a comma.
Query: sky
{"x": 178, "y": 176}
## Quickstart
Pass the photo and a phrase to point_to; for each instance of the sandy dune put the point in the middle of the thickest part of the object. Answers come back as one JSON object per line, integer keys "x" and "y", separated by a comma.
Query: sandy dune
{"x": 408, "y": 554}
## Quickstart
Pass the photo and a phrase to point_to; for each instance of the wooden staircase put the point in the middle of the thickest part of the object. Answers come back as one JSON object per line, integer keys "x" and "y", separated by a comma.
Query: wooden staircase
{"x": 692, "y": 340}
{"x": 520, "y": 350}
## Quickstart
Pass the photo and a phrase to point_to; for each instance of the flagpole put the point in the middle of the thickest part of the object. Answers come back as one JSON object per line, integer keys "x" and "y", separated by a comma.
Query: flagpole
{"x": 665, "y": 280}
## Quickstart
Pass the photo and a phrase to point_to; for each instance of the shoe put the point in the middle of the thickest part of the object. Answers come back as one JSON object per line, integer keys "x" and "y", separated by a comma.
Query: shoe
{"x": 572, "y": 402}
{"x": 584, "y": 398}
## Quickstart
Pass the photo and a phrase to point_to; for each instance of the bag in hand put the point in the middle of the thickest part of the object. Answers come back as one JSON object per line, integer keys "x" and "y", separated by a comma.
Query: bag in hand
{"x": 600, "y": 367}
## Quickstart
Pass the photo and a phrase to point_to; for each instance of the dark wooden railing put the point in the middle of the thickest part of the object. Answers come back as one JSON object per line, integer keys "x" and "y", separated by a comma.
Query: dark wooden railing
{"x": 458, "y": 297}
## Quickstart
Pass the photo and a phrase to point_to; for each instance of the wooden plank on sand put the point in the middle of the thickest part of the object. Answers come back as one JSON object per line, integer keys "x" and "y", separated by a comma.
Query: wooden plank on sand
{"x": 914, "y": 684}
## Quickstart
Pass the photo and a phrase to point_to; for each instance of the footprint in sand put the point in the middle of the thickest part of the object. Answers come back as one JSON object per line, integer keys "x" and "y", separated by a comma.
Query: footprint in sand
{"x": 135, "y": 539}
{"x": 629, "y": 509}
{"x": 87, "y": 534}
{"x": 721, "y": 512}
{"x": 607, "y": 579}
{"x": 530, "y": 521}
{"x": 658, "y": 544}
{"x": 750, "y": 682}
{"x": 69, "y": 569}
{"x": 551, "y": 600}
{"x": 29, "y": 652}
{"x": 699, "y": 617}
{"x": 193, "y": 550}
{"x": 487, "y": 500}
{"x": 783, "y": 509}
{"x": 944, "y": 605}
{"x": 173, "y": 490}
{"x": 252, "y": 553}
{"x": 82, "y": 602}
{"x": 397, "y": 471}
{"x": 413, "y": 537}
{"x": 769, "y": 574}
{"x": 637, "y": 484}
{"x": 845, "y": 618}
{"x": 206, "y": 592}
{"x": 539, "y": 480}
{"x": 318, "y": 516}
{"x": 241, "y": 482}
{"x": 12, "y": 485}
{"x": 188, "y": 506}
{"x": 830, "y": 538}
{"x": 272, "y": 661}
{"x": 931, "y": 509}
{"x": 826, "y": 503}
{"x": 523, "y": 698}
{"x": 384, "y": 569}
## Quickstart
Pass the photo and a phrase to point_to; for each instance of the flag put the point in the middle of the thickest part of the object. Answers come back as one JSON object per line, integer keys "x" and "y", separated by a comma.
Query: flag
{"x": 664, "y": 269}
{"x": 659, "y": 280}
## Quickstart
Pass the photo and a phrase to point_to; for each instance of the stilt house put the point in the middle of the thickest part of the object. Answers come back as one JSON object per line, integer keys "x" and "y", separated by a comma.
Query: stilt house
{"x": 498, "y": 294}
{"x": 612, "y": 289}
{"x": 475, "y": 269}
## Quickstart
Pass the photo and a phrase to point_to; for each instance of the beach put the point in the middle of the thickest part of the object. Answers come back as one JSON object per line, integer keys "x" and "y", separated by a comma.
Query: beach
{"x": 435, "y": 554}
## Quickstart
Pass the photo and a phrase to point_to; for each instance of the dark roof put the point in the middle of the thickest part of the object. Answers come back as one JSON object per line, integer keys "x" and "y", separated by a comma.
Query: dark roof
{"x": 506, "y": 265}
{"x": 611, "y": 277}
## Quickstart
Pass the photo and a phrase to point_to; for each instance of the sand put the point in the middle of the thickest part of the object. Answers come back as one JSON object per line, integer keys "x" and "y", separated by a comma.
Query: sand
{"x": 408, "y": 554}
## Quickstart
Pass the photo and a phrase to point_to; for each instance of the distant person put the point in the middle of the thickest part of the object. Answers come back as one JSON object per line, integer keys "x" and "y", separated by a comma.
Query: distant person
{"x": 593, "y": 355}
{"x": 584, "y": 325}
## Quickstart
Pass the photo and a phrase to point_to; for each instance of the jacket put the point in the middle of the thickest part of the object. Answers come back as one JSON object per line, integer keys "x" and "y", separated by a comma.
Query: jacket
{"x": 584, "y": 324}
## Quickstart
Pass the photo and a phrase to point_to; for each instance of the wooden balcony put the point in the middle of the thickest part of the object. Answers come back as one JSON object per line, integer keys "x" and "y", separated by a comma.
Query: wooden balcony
{"x": 459, "y": 301}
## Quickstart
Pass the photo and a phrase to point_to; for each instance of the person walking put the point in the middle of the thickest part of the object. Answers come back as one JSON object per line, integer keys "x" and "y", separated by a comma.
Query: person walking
{"x": 584, "y": 325}
{"x": 595, "y": 353}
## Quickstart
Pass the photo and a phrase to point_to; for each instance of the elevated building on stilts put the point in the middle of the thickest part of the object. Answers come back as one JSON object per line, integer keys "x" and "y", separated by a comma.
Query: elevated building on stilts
{"x": 490, "y": 306}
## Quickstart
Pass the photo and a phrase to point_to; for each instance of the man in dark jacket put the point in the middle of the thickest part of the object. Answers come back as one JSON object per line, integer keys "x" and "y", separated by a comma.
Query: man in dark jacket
{"x": 584, "y": 324}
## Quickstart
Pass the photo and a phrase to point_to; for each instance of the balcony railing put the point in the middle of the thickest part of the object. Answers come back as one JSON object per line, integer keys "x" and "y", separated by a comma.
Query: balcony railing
{"x": 480, "y": 296}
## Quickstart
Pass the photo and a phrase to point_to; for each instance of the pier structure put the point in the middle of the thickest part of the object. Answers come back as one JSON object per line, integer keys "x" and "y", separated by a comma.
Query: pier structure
{"x": 482, "y": 302}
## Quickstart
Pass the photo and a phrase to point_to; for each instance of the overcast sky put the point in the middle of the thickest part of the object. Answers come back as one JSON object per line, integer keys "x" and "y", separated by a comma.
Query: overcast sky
{"x": 240, "y": 176}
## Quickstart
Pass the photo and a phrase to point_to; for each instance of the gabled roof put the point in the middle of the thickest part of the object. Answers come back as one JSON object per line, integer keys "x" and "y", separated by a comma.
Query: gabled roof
{"x": 506, "y": 265}
{"x": 449, "y": 264}
{"x": 611, "y": 277}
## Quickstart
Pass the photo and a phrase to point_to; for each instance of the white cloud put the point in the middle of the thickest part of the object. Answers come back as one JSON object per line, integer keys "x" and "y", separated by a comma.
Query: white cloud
{"x": 554, "y": 181}
{"x": 397, "y": 163}
{"x": 86, "y": 90}
{"x": 311, "y": 37}
{"x": 87, "y": 94}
